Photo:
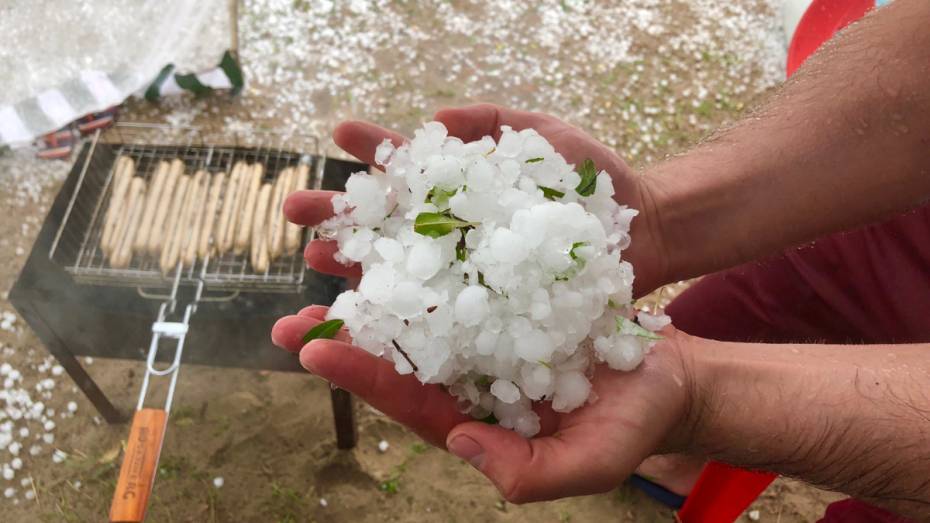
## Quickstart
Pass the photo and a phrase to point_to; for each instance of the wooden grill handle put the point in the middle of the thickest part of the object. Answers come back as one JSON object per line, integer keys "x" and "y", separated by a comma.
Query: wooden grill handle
{"x": 137, "y": 472}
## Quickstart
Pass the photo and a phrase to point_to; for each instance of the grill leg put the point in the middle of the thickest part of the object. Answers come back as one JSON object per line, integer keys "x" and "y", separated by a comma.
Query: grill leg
{"x": 72, "y": 366}
{"x": 90, "y": 388}
{"x": 344, "y": 417}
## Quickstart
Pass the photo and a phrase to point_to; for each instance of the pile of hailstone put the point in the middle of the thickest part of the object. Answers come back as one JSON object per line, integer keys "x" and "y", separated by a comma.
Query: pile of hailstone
{"x": 486, "y": 268}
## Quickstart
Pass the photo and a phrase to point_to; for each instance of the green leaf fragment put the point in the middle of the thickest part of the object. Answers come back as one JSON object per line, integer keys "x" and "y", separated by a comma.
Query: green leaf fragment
{"x": 550, "y": 193}
{"x": 576, "y": 245}
{"x": 440, "y": 197}
{"x": 612, "y": 304}
{"x": 625, "y": 326}
{"x": 325, "y": 330}
{"x": 435, "y": 225}
{"x": 489, "y": 419}
{"x": 544, "y": 364}
{"x": 535, "y": 160}
{"x": 461, "y": 253}
{"x": 588, "y": 182}
{"x": 483, "y": 284}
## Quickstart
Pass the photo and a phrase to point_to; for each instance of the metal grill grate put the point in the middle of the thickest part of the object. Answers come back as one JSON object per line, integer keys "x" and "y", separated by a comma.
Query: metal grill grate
{"x": 77, "y": 244}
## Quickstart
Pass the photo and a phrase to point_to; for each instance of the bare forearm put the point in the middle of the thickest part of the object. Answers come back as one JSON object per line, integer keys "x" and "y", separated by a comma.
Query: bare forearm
{"x": 843, "y": 143}
{"x": 850, "y": 418}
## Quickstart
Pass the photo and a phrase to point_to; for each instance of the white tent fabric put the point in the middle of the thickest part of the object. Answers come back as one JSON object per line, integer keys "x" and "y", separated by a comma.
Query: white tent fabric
{"x": 62, "y": 59}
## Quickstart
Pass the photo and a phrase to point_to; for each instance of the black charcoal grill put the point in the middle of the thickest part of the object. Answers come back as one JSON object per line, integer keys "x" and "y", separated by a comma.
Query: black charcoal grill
{"x": 218, "y": 308}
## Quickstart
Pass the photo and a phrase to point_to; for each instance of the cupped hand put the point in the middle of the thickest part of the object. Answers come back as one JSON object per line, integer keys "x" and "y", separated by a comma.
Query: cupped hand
{"x": 647, "y": 251}
{"x": 586, "y": 451}
{"x": 630, "y": 416}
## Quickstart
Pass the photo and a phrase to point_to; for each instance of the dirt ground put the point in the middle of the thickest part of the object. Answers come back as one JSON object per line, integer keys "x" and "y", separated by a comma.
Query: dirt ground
{"x": 269, "y": 435}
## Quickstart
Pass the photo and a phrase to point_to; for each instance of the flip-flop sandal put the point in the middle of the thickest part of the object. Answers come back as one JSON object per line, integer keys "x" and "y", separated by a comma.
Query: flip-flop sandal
{"x": 57, "y": 145}
{"x": 94, "y": 121}
{"x": 658, "y": 492}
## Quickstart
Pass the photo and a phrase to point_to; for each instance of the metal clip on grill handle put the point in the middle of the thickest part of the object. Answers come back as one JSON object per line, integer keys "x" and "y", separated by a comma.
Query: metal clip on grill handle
{"x": 137, "y": 473}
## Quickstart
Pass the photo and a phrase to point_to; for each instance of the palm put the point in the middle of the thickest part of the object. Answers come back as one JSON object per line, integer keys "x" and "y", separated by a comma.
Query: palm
{"x": 600, "y": 443}
{"x": 428, "y": 409}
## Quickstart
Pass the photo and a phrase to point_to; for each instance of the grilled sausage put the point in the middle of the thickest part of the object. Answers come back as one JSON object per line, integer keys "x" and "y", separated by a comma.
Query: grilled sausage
{"x": 169, "y": 246}
{"x": 258, "y": 245}
{"x": 292, "y": 230}
{"x": 122, "y": 176}
{"x": 244, "y": 227}
{"x": 275, "y": 221}
{"x": 135, "y": 206}
{"x": 152, "y": 199}
{"x": 159, "y": 230}
{"x": 232, "y": 200}
{"x": 193, "y": 218}
{"x": 213, "y": 202}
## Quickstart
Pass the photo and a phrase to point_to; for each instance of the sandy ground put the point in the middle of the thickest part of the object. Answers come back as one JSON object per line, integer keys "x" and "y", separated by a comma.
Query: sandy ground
{"x": 269, "y": 435}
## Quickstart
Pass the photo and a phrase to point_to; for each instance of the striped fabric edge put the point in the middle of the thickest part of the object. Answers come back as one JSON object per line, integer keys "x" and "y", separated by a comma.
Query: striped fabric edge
{"x": 22, "y": 122}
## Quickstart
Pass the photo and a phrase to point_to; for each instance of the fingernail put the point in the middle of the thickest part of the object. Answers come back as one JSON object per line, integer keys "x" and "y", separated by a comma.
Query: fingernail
{"x": 467, "y": 449}
{"x": 276, "y": 335}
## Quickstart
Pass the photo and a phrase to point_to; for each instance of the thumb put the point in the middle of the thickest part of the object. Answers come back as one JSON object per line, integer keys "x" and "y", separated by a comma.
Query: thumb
{"x": 573, "y": 462}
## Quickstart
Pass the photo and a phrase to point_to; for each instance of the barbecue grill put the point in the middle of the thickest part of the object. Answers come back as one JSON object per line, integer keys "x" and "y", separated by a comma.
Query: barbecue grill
{"x": 79, "y": 305}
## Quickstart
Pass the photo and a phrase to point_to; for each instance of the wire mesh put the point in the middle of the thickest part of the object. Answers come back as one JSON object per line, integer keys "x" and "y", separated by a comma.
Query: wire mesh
{"x": 77, "y": 243}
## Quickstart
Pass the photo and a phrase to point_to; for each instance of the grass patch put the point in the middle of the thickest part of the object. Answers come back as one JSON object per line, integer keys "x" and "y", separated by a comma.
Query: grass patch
{"x": 285, "y": 505}
{"x": 391, "y": 485}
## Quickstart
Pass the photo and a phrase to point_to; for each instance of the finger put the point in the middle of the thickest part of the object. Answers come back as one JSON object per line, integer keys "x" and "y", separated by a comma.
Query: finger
{"x": 548, "y": 418}
{"x": 360, "y": 139}
{"x": 309, "y": 207}
{"x": 319, "y": 256}
{"x": 474, "y": 122}
{"x": 314, "y": 311}
{"x": 573, "y": 462}
{"x": 289, "y": 331}
{"x": 426, "y": 409}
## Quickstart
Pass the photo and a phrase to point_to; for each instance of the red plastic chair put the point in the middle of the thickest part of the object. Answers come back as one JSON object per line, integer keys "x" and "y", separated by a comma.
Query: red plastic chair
{"x": 723, "y": 492}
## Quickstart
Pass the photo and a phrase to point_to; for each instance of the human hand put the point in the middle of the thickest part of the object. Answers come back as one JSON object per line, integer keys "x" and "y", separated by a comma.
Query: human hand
{"x": 587, "y": 451}
{"x": 573, "y": 454}
{"x": 647, "y": 252}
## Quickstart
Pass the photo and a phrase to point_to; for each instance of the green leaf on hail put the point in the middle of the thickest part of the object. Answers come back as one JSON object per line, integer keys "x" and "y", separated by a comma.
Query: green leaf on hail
{"x": 435, "y": 224}
{"x": 551, "y": 194}
{"x": 625, "y": 326}
{"x": 588, "y": 178}
{"x": 325, "y": 330}
{"x": 576, "y": 245}
{"x": 440, "y": 197}
{"x": 535, "y": 160}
